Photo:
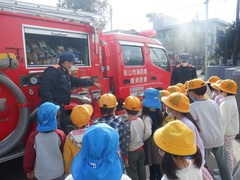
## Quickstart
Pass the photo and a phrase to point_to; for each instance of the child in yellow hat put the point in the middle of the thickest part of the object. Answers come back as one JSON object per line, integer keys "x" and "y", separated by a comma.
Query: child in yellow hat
{"x": 165, "y": 117}
{"x": 108, "y": 105}
{"x": 218, "y": 96}
{"x": 140, "y": 130}
{"x": 207, "y": 116}
{"x": 80, "y": 117}
{"x": 176, "y": 141}
{"x": 178, "y": 106}
{"x": 229, "y": 116}
{"x": 212, "y": 93}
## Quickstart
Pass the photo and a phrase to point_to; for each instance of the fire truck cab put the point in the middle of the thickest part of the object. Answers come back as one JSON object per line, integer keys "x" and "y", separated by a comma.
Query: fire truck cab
{"x": 134, "y": 63}
{"x": 32, "y": 37}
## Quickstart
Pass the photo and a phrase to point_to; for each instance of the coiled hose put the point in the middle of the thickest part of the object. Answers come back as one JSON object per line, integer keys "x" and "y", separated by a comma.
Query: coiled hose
{"x": 16, "y": 136}
{"x": 8, "y": 60}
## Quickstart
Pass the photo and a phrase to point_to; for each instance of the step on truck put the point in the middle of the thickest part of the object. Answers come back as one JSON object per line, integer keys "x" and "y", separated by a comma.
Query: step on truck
{"x": 31, "y": 38}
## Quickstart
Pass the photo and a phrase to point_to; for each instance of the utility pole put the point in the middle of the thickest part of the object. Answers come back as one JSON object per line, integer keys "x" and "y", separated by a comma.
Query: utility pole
{"x": 236, "y": 36}
{"x": 206, "y": 36}
{"x": 111, "y": 17}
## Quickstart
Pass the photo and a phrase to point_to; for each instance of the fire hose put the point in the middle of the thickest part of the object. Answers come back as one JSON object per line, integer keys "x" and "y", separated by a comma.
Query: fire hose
{"x": 16, "y": 136}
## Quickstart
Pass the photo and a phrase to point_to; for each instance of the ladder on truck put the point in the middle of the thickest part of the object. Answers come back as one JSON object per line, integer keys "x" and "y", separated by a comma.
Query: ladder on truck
{"x": 49, "y": 12}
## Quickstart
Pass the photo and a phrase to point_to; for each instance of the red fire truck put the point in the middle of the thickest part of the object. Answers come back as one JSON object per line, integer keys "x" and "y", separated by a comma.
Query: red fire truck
{"x": 31, "y": 38}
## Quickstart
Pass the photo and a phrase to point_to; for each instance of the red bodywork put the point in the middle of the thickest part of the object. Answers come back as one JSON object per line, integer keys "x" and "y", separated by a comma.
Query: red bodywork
{"x": 105, "y": 65}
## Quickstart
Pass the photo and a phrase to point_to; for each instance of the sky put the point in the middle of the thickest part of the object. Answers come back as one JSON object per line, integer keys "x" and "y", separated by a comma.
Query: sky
{"x": 131, "y": 14}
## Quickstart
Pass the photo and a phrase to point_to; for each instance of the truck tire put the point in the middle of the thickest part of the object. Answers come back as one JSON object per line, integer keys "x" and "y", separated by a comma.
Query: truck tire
{"x": 11, "y": 141}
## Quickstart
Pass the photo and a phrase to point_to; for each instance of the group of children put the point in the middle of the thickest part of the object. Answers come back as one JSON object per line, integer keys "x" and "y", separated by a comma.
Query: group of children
{"x": 216, "y": 119}
{"x": 172, "y": 131}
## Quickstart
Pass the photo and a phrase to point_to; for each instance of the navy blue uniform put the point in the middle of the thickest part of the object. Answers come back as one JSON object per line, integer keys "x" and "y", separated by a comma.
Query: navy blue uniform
{"x": 55, "y": 87}
{"x": 182, "y": 74}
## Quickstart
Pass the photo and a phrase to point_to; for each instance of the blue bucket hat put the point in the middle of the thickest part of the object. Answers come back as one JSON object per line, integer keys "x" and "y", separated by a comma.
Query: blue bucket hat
{"x": 151, "y": 98}
{"x": 67, "y": 56}
{"x": 98, "y": 159}
{"x": 47, "y": 117}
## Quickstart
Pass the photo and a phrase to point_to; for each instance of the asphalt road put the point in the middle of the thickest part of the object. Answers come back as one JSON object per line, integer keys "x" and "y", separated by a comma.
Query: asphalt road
{"x": 12, "y": 170}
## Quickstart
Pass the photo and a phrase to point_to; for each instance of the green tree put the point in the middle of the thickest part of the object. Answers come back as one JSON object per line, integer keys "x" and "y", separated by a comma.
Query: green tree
{"x": 230, "y": 38}
{"x": 100, "y": 7}
{"x": 224, "y": 47}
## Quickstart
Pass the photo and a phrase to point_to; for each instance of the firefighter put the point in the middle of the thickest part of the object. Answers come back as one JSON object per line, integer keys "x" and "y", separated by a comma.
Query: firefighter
{"x": 184, "y": 71}
{"x": 56, "y": 84}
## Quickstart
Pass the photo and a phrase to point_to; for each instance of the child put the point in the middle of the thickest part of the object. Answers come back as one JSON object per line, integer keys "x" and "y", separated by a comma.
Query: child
{"x": 178, "y": 106}
{"x": 182, "y": 87}
{"x": 151, "y": 112}
{"x": 43, "y": 153}
{"x": 216, "y": 91}
{"x": 165, "y": 117}
{"x": 174, "y": 88}
{"x": 211, "y": 80}
{"x": 108, "y": 104}
{"x": 80, "y": 117}
{"x": 207, "y": 116}
{"x": 139, "y": 132}
{"x": 98, "y": 159}
{"x": 229, "y": 116}
{"x": 176, "y": 140}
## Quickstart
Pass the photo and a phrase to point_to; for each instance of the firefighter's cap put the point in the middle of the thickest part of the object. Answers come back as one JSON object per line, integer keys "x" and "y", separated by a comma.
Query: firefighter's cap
{"x": 67, "y": 56}
{"x": 174, "y": 88}
{"x": 177, "y": 101}
{"x": 212, "y": 79}
{"x": 175, "y": 138}
{"x": 47, "y": 120}
{"x": 81, "y": 114}
{"x": 108, "y": 100}
{"x": 132, "y": 103}
{"x": 195, "y": 84}
{"x": 228, "y": 86}
{"x": 184, "y": 57}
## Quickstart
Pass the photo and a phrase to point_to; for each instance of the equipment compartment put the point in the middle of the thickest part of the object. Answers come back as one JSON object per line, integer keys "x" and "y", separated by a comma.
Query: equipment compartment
{"x": 43, "y": 46}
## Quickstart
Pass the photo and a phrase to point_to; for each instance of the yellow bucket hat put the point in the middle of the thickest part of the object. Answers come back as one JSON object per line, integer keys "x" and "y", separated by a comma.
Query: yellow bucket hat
{"x": 195, "y": 84}
{"x": 212, "y": 79}
{"x": 177, "y": 101}
{"x": 175, "y": 138}
{"x": 228, "y": 86}
{"x": 174, "y": 88}
{"x": 81, "y": 114}
{"x": 108, "y": 100}
{"x": 164, "y": 93}
{"x": 132, "y": 103}
{"x": 213, "y": 85}
{"x": 182, "y": 87}
{"x": 186, "y": 84}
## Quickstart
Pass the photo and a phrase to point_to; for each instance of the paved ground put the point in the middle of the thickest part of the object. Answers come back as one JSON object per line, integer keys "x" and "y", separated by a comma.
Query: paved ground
{"x": 236, "y": 150}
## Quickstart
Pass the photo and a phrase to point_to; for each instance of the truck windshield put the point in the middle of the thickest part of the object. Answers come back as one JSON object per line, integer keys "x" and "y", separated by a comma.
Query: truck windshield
{"x": 159, "y": 58}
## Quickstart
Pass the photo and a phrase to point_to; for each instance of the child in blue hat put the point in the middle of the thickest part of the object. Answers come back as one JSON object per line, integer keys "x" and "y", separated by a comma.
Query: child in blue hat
{"x": 43, "y": 153}
{"x": 99, "y": 158}
{"x": 151, "y": 111}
